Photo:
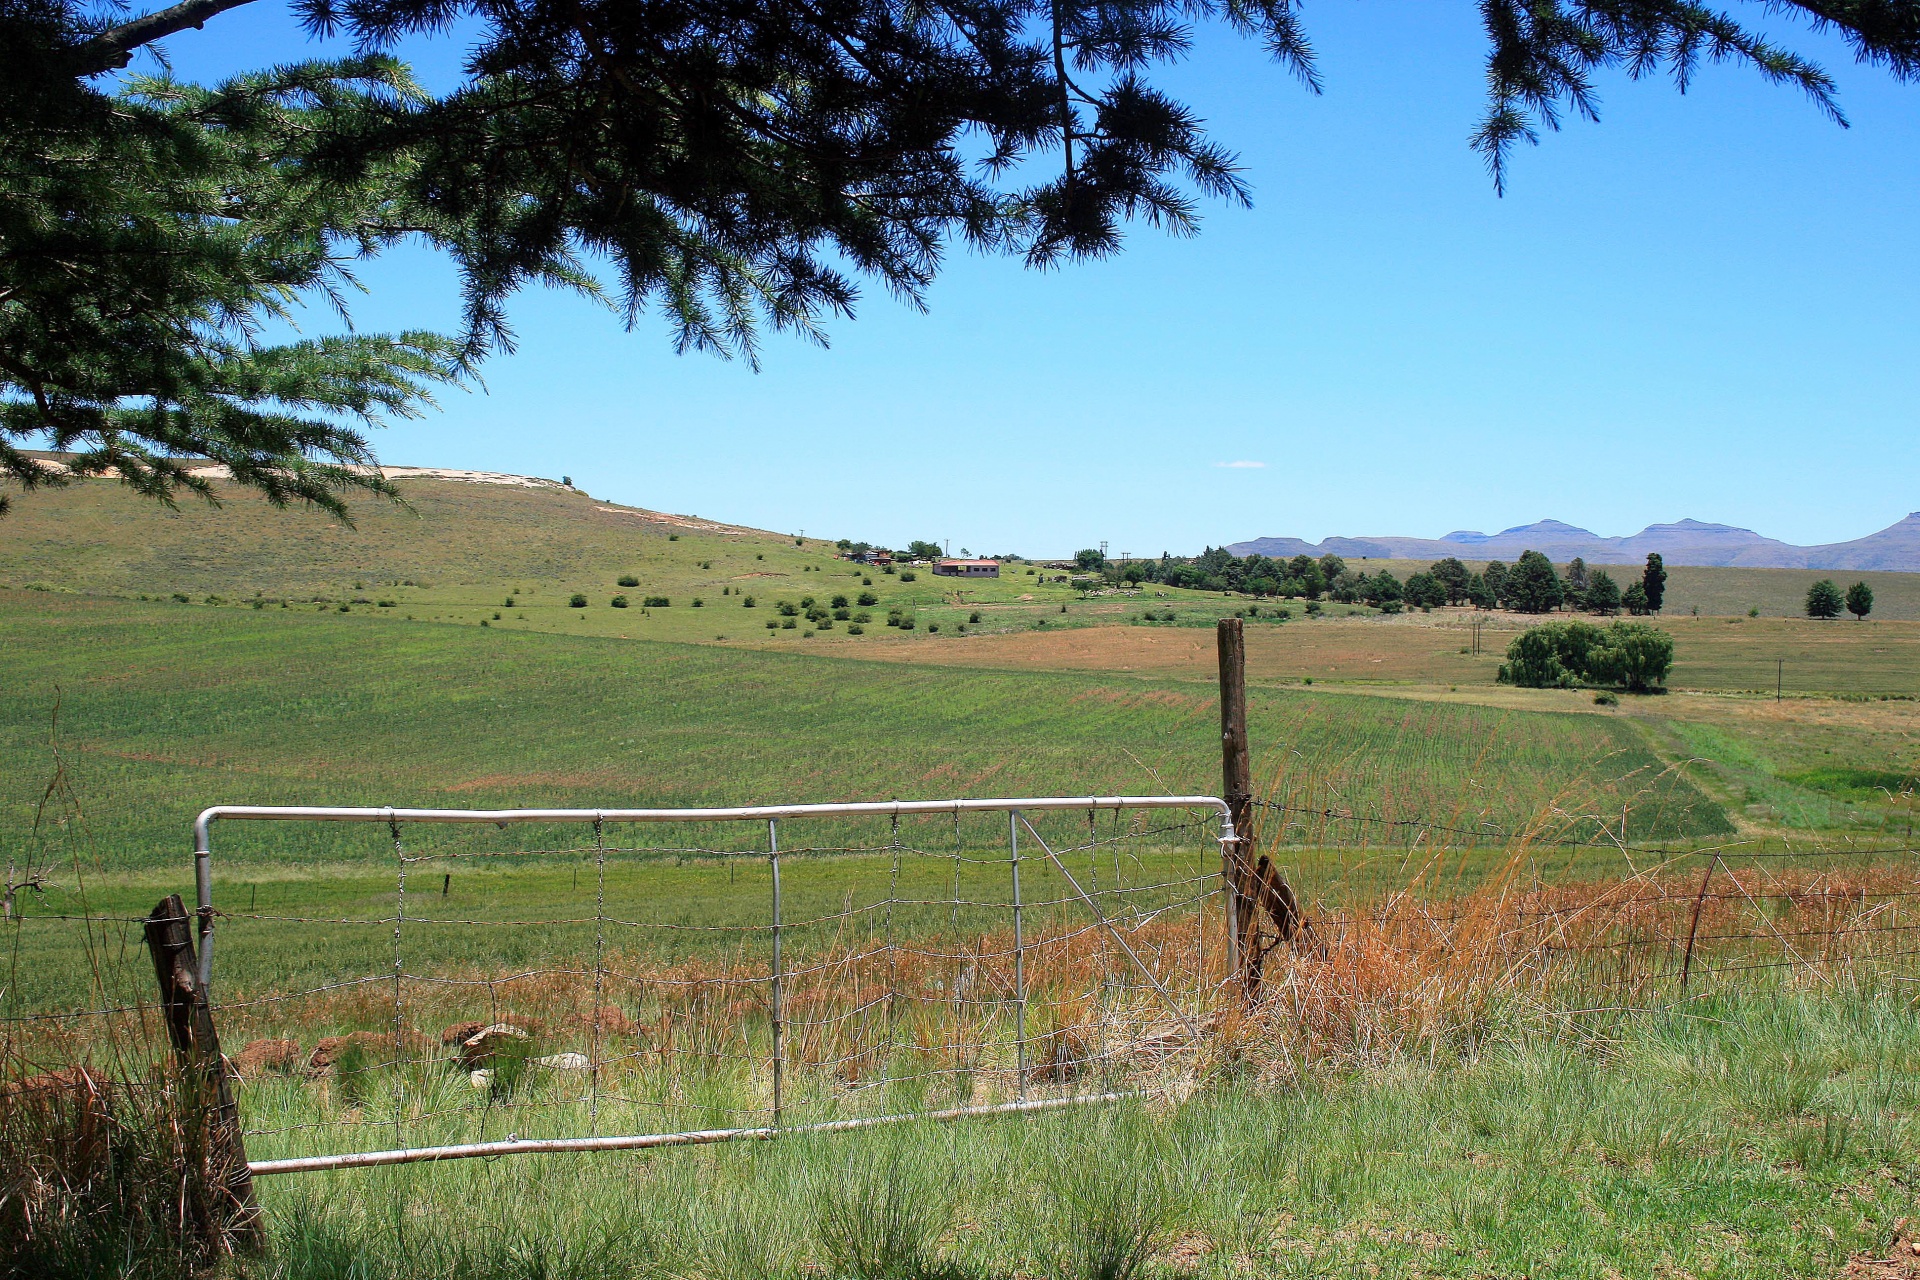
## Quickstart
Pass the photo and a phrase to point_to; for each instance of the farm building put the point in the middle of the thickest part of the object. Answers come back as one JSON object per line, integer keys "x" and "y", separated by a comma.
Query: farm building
{"x": 967, "y": 568}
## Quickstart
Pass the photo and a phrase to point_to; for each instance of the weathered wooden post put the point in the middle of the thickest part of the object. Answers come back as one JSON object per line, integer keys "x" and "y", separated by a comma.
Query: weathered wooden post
{"x": 1250, "y": 889}
{"x": 196, "y": 1046}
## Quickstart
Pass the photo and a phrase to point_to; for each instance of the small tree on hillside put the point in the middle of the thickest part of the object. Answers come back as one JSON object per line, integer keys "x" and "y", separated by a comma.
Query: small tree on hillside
{"x": 1824, "y": 599}
{"x": 1653, "y": 580}
{"x": 919, "y": 550}
{"x": 1533, "y": 586}
{"x": 1635, "y": 598}
{"x": 1452, "y": 577}
{"x": 1331, "y": 567}
{"x": 1603, "y": 593}
{"x": 1088, "y": 559}
{"x": 1859, "y": 600}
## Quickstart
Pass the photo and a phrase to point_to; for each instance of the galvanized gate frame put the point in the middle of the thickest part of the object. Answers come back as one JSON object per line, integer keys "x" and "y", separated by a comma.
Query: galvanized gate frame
{"x": 770, "y": 814}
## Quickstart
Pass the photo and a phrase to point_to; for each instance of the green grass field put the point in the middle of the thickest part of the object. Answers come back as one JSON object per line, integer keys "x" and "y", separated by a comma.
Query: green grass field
{"x": 1404, "y": 1112}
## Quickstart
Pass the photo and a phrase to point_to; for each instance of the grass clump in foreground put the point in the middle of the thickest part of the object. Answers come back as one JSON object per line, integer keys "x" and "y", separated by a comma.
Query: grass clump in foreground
{"x": 1762, "y": 1134}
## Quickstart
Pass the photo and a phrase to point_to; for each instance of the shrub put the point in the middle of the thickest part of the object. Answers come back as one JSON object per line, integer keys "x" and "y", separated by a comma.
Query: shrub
{"x": 933, "y": 626}
{"x": 974, "y": 616}
{"x": 698, "y": 603}
{"x": 509, "y": 604}
{"x": 346, "y": 608}
{"x": 1634, "y": 656}
{"x": 863, "y": 616}
{"x": 627, "y": 580}
{"x": 840, "y": 602}
{"x": 1604, "y": 699}
{"x": 747, "y": 603}
{"x": 867, "y": 598}
{"x": 773, "y": 624}
{"x": 866, "y": 582}
{"x": 619, "y": 602}
{"x": 788, "y": 624}
{"x": 856, "y": 630}
{"x": 1631, "y": 655}
{"x": 825, "y": 624}
{"x": 673, "y": 537}
{"x": 577, "y": 601}
{"x": 657, "y": 602}
{"x": 843, "y": 613}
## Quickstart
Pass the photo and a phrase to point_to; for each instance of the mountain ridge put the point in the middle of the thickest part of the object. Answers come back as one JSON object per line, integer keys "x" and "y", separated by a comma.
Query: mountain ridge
{"x": 1895, "y": 548}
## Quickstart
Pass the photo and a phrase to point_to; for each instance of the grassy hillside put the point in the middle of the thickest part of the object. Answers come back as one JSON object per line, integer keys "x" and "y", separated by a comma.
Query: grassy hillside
{"x": 165, "y": 710}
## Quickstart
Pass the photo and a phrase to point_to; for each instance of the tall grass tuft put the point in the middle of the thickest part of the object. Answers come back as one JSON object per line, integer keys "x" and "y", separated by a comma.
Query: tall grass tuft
{"x": 884, "y": 1209}
{"x": 97, "y": 1178}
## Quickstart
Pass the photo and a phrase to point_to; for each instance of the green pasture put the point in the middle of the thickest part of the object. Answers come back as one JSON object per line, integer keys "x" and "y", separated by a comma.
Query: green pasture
{"x": 163, "y": 711}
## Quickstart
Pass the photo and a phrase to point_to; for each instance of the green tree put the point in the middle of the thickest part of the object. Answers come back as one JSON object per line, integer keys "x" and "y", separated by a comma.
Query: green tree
{"x": 1824, "y": 599}
{"x": 1383, "y": 591}
{"x": 1533, "y": 661}
{"x": 1635, "y": 598}
{"x": 1634, "y": 656}
{"x": 1603, "y": 593}
{"x": 732, "y": 164}
{"x": 1495, "y": 576}
{"x": 1479, "y": 594}
{"x": 1575, "y": 584}
{"x": 1424, "y": 591}
{"x": 919, "y": 549}
{"x": 1331, "y": 569}
{"x": 1859, "y": 600}
{"x": 1088, "y": 560}
{"x": 1653, "y": 580}
{"x": 1452, "y": 577}
{"x": 1533, "y": 586}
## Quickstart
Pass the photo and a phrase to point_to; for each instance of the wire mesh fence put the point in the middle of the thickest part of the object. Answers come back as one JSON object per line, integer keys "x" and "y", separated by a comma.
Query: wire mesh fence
{"x": 477, "y": 987}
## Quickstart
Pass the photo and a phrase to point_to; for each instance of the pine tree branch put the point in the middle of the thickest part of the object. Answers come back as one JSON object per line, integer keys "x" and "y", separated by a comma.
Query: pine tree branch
{"x": 113, "y": 48}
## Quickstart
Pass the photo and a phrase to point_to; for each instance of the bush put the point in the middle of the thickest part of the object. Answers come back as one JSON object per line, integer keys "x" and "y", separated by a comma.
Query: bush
{"x": 747, "y": 603}
{"x": 773, "y": 624}
{"x": 906, "y": 624}
{"x": 867, "y": 598}
{"x": 840, "y": 602}
{"x": 788, "y": 624}
{"x": 1605, "y": 700}
{"x": 577, "y": 601}
{"x": 509, "y": 603}
{"x": 843, "y": 613}
{"x": 619, "y": 602}
{"x": 657, "y": 602}
{"x": 1558, "y": 655}
{"x": 932, "y": 627}
{"x": 856, "y": 630}
{"x": 908, "y": 575}
{"x": 698, "y": 603}
{"x": 627, "y": 580}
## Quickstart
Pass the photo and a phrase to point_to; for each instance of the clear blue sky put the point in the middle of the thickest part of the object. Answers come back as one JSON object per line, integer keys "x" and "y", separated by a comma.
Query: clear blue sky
{"x": 1704, "y": 306}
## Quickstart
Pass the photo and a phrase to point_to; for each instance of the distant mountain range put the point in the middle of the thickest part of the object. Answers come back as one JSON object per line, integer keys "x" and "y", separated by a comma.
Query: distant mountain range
{"x": 1895, "y": 548}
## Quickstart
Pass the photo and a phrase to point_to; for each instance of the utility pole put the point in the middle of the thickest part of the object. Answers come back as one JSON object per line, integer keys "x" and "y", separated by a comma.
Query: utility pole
{"x": 1779, "y": 676}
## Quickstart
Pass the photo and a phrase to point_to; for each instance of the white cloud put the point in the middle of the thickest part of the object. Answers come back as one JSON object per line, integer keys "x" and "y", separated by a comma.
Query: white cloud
{"x": 1242, "y": 466}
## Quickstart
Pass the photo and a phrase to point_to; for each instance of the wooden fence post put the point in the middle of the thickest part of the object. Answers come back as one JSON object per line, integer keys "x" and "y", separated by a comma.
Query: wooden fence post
{"x": 1251, "y": 888}
{"x": 196, "y": 1046}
